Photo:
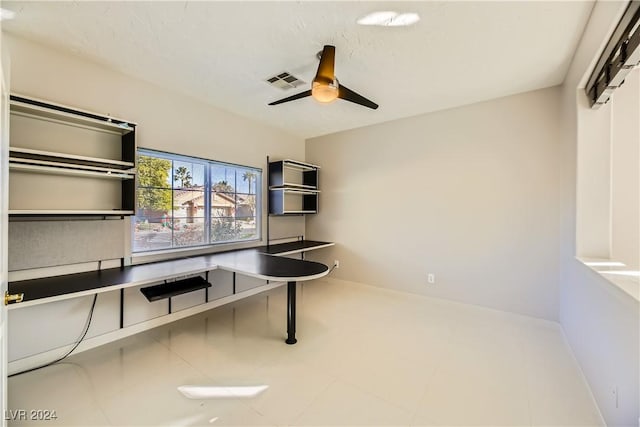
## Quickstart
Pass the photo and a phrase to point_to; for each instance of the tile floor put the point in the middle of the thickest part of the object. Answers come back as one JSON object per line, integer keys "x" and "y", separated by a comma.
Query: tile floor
{"x": 365, "y": 356}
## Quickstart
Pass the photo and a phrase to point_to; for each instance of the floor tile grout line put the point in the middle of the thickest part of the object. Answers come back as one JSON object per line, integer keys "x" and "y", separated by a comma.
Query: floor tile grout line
{"x": 455, "y": 330}
{"x": 315, "y": 399}
{"x": 79, "y": 368}
{"x": 182, "y": 358}
{"x": 377, "y": 396}
{"x": 94, "y": 396}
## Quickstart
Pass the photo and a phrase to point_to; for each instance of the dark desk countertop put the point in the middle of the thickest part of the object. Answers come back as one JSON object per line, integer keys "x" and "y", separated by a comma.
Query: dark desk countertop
{"x": 256, "y": 262}
{"x": 294, "y": 247}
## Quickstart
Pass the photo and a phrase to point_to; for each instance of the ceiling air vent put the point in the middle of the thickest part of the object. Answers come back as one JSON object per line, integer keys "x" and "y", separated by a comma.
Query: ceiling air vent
{"x": 284, "y": 81}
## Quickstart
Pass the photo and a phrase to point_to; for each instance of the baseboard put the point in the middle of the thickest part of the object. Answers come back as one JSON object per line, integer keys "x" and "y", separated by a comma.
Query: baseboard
{"x": 29, "y": 362}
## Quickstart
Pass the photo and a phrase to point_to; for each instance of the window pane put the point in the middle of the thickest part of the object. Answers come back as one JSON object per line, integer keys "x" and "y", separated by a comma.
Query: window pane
{"x": 154, "y": 202}
{"x": 187, "y": 203}
{"x": 153, "y": 172}
{"x": 223, "y": 204}
{"x": 247, "y": 228}
{"x": 245, "y": 205}
{"x": 152, "y": 233}
{"x": 188, "y": 231}
{"x": 224, "y": 229}
{"x": 247, "y": 180}
{"x": 223, "y": 179}
{"x": 188, "y": 175}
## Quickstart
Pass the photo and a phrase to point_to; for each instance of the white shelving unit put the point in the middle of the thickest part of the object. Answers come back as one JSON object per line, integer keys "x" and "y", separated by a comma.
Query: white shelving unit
{"x": 293, "y": 188}
{"x": 66, "y": 161}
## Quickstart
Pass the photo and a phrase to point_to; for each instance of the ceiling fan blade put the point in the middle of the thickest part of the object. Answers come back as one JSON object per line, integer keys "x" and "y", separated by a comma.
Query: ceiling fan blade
{"x": 349, "y": 95}
{"x": 292, "y": 97}
{"x": 326, "y": 67}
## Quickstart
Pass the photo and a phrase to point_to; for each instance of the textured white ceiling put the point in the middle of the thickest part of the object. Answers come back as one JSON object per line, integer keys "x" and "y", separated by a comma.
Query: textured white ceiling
{"x": 221, "y": 52}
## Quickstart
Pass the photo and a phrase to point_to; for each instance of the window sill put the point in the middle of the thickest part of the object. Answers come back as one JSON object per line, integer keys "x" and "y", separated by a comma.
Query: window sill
{"x": 167, "y": 254}
{"x": 616, "y": 273}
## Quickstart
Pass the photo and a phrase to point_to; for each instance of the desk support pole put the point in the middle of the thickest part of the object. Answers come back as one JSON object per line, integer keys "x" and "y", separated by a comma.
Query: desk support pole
{"x": 121, "y": 308}
{"x": 291, "y": 313}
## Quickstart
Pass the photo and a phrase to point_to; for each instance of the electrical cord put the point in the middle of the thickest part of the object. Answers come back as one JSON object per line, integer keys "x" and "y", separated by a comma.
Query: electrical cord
{"x": 332, "y": 268}
{"x": 84, "y": 334}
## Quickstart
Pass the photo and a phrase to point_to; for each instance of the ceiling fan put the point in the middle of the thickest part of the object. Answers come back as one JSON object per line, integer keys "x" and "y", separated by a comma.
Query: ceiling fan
{"x": 325, "y": 86}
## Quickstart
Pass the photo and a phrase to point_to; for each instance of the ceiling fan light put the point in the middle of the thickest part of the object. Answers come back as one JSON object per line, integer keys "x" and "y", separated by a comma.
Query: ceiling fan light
{"x": 377, "y": 18}
{"x": 323, "y": 92}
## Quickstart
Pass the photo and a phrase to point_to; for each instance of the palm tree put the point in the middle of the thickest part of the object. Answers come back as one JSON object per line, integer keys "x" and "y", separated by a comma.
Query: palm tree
{"x": 183, "y": 175}
{"x": 249, "y": 176}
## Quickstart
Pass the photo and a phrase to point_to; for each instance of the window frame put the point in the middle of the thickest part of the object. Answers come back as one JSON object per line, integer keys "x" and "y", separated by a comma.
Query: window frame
{"x": 600, "y": 139}
{"x": 209, "y": 165}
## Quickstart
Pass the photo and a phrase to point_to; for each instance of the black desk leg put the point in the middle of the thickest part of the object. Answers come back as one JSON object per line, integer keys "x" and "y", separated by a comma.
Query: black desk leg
{"x": 291, "y": 313}
{"x": 121, "y": 308}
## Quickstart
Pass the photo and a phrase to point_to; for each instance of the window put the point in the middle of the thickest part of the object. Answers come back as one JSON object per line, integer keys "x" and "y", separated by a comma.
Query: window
{"x": 608, "y": 193}
{"x": 185, "y": 201}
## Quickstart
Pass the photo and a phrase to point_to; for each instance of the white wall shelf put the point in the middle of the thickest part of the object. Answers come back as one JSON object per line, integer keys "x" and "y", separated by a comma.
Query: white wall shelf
{"x": 68, "y": 169}
{"x": 28, "y": 153}
{"x": 66, "y": 161}
{"x": 45, "y": 110}
{"x": 294, "y": 164}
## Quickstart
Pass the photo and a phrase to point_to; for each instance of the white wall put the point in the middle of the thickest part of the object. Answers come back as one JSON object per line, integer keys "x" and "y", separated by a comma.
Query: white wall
{"x": 167, "y": 121}
{"x": 599, "y": 320}
{"x": 470, "y": 194}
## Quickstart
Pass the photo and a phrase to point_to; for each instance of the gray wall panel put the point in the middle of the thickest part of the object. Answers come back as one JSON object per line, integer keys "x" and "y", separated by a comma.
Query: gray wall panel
{"x": 35, "y": 244}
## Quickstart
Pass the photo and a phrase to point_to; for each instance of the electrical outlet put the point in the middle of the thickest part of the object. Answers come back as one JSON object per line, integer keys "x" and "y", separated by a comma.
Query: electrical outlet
{"x": 431, "y": 278}
{"x": 336, "y": 263}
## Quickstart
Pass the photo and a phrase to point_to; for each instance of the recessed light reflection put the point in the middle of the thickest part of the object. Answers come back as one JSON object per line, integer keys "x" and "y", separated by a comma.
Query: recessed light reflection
{"x": 404, "y": 20}
{"x": 605, "y": 264}
{"x": 6, "y": 14}
{"x": 214, "y": 392}
{"x": 629, "y": 273}
{"x": 389, "y": 18}
{"x": 377, "y": 18}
